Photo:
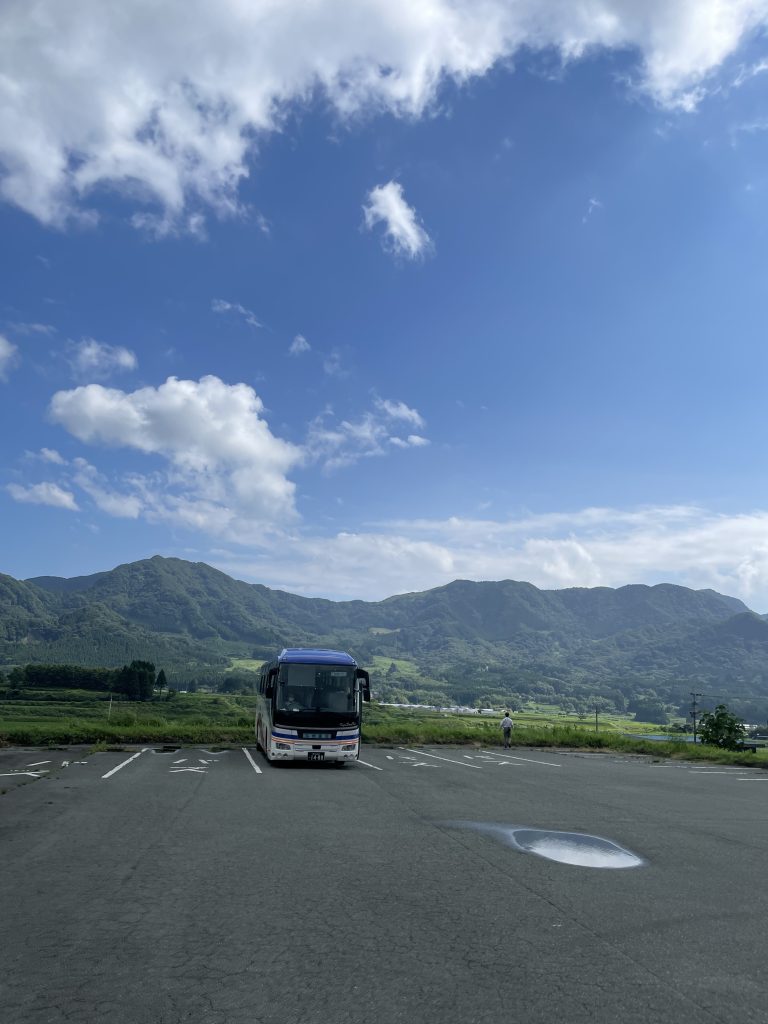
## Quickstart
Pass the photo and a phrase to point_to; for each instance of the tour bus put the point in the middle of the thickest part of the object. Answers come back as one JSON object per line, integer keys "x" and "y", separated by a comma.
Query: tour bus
{"x": 309, "y": 706}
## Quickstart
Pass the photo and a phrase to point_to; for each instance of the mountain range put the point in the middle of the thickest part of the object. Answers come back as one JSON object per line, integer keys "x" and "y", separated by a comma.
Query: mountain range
{"x": 637, "y": 647}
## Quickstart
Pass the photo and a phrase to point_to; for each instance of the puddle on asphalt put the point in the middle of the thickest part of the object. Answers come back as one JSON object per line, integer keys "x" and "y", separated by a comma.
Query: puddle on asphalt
{"x": 576, "y": 848}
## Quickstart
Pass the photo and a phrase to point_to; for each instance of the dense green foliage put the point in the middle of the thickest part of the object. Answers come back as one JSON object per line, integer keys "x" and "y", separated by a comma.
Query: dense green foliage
{"x": 135, "y": 681}
{"x": 637, "y": 649}
{"x": 721, "y": 728}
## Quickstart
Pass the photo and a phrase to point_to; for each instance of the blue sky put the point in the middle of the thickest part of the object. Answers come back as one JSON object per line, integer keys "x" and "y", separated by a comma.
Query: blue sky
{"x": 392, "y": 300}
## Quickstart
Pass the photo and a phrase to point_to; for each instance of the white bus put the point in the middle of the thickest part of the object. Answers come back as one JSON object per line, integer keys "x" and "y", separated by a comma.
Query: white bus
{"x": 309, "y": 706}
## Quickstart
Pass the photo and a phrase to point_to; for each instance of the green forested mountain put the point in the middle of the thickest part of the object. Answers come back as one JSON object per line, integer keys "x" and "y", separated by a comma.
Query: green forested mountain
{"x": 635, "y": 647}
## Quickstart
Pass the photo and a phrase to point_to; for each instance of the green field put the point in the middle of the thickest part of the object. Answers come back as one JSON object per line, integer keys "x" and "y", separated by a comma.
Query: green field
{"x": 56, "y": 717}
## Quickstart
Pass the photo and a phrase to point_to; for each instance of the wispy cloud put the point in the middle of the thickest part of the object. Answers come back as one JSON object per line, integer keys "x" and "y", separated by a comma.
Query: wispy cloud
{"x": 222, "y": 306}
{"x": 299, "y": 345}
{"x": 31, "y": 329}
{"x": 336, "y": 444}
{"x": 592, "y": 205}
{"x": 43, "y": 494}
{"x": 91, "y": 358}
{"x": 332, "y": 365}
{"x": 403, "y": 234}
{"x": 8, "y": 357}
{"x": 689, "y": 546}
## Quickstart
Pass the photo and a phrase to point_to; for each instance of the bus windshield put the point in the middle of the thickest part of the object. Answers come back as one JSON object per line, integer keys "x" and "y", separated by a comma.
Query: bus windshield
{"x": 316, "y": 688}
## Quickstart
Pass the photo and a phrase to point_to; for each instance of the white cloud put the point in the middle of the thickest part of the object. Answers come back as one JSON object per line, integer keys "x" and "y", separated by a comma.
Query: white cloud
{"x": 51, "y": 455}
{"x": 341, "y": 444}
{"x": 299, "y": 345}
{"x": 91, "y": 358}
{"x": 593, "y": 547}
{"x": 114, "y": 503}
{"x": 31, "y": 329}
{"x": 592, "y": 205}
{"x": 43, "y": 494}
{"x": 8, "y": 356}
{"x": 222, "y": 306}
{"x": 402, "y": 232}
{"x": 332, "y": 366}
{"x": 223, "y": 469}
{"x": 399, "y": 411}
{"x": 165, "y": 100}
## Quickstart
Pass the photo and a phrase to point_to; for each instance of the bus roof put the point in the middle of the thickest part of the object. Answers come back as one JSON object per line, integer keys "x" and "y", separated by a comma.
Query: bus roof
{"x": 315, "y": 656}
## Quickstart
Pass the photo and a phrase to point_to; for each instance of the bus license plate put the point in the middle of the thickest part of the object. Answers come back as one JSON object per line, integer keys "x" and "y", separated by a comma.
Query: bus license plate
{"x": 315, "y": 757}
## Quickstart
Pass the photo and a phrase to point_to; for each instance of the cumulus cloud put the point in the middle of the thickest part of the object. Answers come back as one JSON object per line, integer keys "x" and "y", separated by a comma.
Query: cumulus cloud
{"x": 402, "y": 232}
{"x": 43, "y": 494}
{"x": 221, "y": 467}
{"x": 91, "y": 358}
{"x": 299, "y": 345}
{"x": 222, "y": 306}
{"x": 166, "y": 100}
{"x": 8, "y": 356}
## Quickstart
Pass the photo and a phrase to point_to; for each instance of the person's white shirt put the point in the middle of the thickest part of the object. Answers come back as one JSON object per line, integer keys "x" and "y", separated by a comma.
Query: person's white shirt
{"x": 506, "y": 722}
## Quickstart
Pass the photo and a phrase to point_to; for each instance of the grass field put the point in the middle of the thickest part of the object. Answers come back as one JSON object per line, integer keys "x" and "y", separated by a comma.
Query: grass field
{"x": 59, "y": 717}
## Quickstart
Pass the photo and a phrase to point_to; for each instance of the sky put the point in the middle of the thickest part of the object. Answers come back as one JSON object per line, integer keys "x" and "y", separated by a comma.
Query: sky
{"x": 357, "y": 298}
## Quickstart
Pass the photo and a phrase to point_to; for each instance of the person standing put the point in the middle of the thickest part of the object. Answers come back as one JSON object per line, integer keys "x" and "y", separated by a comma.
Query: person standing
{"x": 506, "y": 727}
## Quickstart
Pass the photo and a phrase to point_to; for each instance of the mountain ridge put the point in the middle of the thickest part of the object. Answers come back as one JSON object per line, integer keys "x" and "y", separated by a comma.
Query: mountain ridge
{"x": 636, "y": 642}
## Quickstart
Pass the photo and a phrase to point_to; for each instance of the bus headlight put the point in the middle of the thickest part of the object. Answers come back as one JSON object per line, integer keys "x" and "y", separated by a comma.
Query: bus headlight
{"x": 283, "y": 746}
{"x": 349, "y": 746}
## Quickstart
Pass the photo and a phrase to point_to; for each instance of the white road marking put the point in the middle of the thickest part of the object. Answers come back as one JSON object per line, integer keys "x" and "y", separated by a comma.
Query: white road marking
{"x": 177, "y": 770}
{"x": 182, "y": 760}
{"x": 705, "y": 771}
{"x": 423, "y": 764}
{"x": 118, "y": 767}
{"x": 370, "y": 765}
{"x": 35, "y": 764}
{"x": 532, "y": 760}
{"x": 34, "y": 775}
{"x": 253, "y": 763}
{"x": 470, "y": 756}
{"x": 424, "y": 753}
{"x": 751, "y": 778}
{"x": 200, "y": 759}
{"x": 390, "y": 758}
{"x": 500, "y": 763}
{"x": 65, "y": 764}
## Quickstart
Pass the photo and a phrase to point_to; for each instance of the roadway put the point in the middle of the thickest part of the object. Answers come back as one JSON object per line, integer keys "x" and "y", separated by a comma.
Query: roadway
{"x": 195, "y": 885}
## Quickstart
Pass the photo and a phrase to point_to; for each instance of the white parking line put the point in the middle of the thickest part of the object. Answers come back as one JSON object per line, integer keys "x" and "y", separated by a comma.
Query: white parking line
{"x": 36, "y": 764}
{"x": 253, "y": 763}
{"x": 751, "y": 778}
{"x": 118, "y": 767}
{"x": 33, "y": 775}
{"x": 532, "y": 760}
{"x": 424, "y": 753}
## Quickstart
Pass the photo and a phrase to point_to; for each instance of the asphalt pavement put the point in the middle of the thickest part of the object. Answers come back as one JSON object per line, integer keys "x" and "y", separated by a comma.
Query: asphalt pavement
{"x": 196, "y": 885}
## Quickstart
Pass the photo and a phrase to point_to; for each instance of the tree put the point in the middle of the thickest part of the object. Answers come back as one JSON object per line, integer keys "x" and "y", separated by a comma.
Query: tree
{"x": 161, "y": 681}
{"x": 720, "y": 728}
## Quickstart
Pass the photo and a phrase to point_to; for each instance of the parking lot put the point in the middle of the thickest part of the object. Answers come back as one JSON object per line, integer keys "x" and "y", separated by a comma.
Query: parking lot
{"x": 195, "y": 884}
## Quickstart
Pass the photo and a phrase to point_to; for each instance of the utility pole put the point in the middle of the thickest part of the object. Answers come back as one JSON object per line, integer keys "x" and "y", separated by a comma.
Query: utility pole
{"x": 694, "y": 710}
{"x": 596, "y": 729}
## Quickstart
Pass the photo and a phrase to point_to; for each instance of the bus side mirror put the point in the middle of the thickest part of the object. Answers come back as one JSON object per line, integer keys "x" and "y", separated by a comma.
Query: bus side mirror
{"x": 365, "y": 683}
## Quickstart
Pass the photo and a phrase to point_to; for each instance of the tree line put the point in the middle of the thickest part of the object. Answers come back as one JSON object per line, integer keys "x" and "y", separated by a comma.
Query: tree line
{"x": 136, "y": 681}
